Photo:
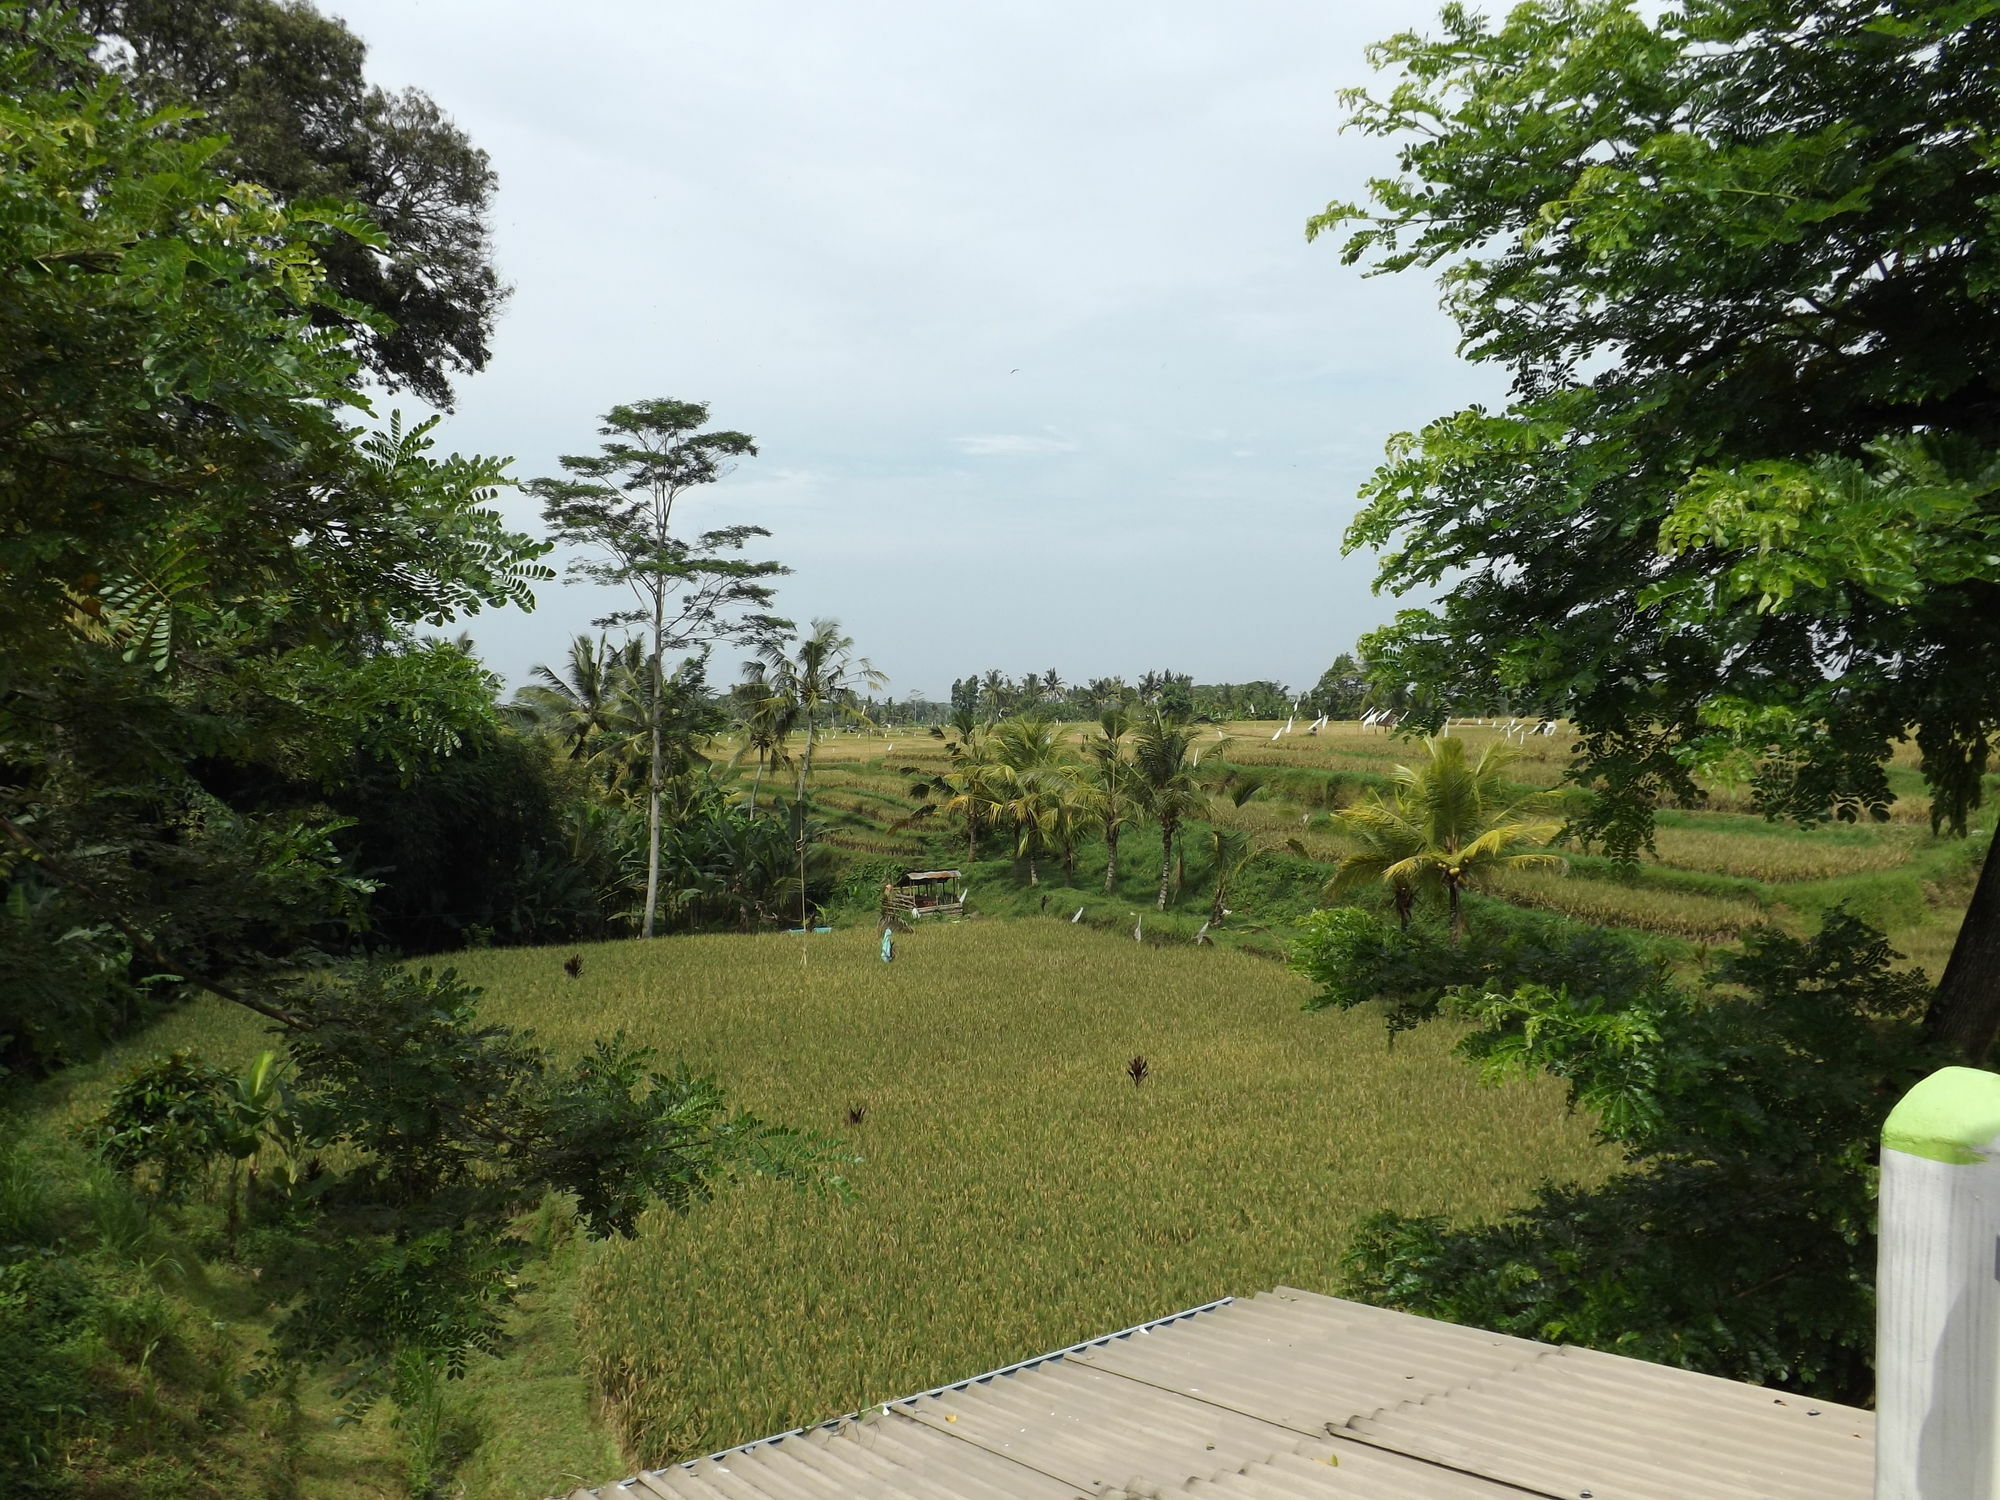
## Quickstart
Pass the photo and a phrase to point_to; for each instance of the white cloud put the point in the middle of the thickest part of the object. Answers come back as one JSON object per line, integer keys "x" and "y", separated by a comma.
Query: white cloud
{"x": 1012, "y": 445}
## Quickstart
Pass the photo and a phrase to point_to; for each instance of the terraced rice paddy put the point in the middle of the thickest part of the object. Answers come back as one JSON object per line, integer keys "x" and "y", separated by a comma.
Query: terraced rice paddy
{"x": 1716, "y": 869}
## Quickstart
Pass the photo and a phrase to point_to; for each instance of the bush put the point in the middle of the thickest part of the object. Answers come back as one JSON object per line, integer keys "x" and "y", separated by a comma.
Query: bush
{"x": 1740, "y": 1239}
{"x": 1355, "y": 956}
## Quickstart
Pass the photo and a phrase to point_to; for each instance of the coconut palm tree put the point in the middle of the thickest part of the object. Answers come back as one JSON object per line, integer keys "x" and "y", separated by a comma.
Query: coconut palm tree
{"x": 1230, "y": 849}
{"x": 1034, "y": 785}
{"x": 968, "y": 789}
{"x": 818, "y": 679}
{"x": 1111, "y": 793}
{"x": 1449, "y": 824}
{"x": 1168, "y": 791}
{"x": 768, "y": 724}
{"x": 586, "y": 701}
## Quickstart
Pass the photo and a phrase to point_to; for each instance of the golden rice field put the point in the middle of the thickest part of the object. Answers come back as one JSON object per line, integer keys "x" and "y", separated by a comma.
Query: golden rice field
{"x": 1016, "y": 1191}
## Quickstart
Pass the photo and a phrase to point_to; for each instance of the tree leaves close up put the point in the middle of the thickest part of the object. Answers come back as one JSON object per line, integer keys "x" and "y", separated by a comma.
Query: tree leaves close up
{"x": 284, "y": 84}
{"x": 1738, "y": 262}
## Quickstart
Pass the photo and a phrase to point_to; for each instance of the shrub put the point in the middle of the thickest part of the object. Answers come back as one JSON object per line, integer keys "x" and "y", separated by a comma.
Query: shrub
{"x": 1740, "y": 1239}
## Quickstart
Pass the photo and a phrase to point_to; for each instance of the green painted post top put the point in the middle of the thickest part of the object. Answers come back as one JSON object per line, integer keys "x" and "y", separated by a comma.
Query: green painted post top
{"x": 1952, "y": 1116}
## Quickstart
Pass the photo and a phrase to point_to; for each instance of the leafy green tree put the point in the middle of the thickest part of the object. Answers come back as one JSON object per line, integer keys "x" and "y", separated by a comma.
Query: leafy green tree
{"x": 284, "y": 85}
{"x": 1737, "y": 514}
{"x": 1450, "y": 824}
{"x": 618, "y": 505}
{"x": 1164, "y": 765}
{"x": 213, "y": 580}
{"x": 1737, "y": 1235}
{"x": 1341, "y": 689}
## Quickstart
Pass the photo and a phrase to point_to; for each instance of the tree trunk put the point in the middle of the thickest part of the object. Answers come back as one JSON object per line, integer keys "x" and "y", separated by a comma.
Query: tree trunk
{"x": 1457, "y": 911}
{"x": 1965, "y": 1011}
{"x": 1111, "y": 861}
{"x": 755, "y": 782}
{"x": 1166, "y": 861}
{"x": 805, "y": 771}
{"x": 653, "y": 773}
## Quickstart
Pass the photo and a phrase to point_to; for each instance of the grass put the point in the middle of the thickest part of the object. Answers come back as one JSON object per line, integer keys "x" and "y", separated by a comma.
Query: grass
{"x": 1017, "y": 1191}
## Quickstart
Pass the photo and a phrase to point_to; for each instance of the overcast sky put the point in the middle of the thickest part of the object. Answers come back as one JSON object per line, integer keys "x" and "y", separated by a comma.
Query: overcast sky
{"x": 1015, "y": 299}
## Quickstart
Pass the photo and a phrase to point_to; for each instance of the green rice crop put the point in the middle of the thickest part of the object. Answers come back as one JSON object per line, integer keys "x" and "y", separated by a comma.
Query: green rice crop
{"x": 1645, "y": 906}
{"x": 1018, "y": 1192}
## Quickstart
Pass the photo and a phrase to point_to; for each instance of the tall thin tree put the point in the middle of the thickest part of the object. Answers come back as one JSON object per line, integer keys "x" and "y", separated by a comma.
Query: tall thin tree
{"x": 618, "y": 506}
{"x": 818, "y": 678}
{"x": 1163, "y": 762}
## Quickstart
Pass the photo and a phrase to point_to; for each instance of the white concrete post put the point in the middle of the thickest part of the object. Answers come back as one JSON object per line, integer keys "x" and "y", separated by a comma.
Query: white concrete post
{"x": 1937, "y": 1329}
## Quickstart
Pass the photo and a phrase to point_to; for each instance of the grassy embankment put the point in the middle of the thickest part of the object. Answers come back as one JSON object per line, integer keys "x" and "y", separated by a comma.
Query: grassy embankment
{"x": 1719, "y": 868}
{"x": 1017, "y": 1191}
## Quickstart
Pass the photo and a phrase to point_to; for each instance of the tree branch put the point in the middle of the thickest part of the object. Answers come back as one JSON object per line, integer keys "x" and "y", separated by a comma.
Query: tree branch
{"x": 139, "y": 941}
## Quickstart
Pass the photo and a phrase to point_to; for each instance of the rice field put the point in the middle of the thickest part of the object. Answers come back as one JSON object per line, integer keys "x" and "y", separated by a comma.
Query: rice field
{"x": 1715, "y": 870}
{"x": 1016, "y": 1192}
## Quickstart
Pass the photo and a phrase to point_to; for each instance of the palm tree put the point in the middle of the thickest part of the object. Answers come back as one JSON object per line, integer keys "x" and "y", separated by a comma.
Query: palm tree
{"x": 768, "y": 724}
{"x": 993, "y": 692}
{"x": 1450, "y": 824}
{"x": 1112, "y": 793}
{"x": 1230, "y": 850}
{"x": 818, "y": 678}
{"x": 585, "y": 699}
{"x": 1034, "y": 783}
{"x": 969, "y": 788}
{"x": 1166, "y": 782}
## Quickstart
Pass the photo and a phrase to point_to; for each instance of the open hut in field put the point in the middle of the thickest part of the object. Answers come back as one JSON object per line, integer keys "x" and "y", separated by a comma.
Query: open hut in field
{"x": 924, "y": 893}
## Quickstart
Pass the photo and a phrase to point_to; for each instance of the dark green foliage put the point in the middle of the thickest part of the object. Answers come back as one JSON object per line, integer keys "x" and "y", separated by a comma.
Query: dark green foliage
{"x": 46, "y": 1307}
{"x": 721, "y": 864}
{"x": 1739, "y": 1239}
{"x": 171, "y": 1120}
{"x": 212, "y": 580}
{"x": 1342, "y": 690}
{"x": 1356, "y": 956}
{"x": 285, "y": 85}
{"x": 435, "y": 1130}
{"x": 492, "y": 836}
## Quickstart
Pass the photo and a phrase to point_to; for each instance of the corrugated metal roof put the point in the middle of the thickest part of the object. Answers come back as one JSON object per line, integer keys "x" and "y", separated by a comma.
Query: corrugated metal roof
{"x": 1289, "y": 1395}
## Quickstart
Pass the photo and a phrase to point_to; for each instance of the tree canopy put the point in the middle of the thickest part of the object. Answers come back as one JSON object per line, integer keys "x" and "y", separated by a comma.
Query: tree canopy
{"x": 1738, "y": 513}
{"x": 284, "y": 85}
